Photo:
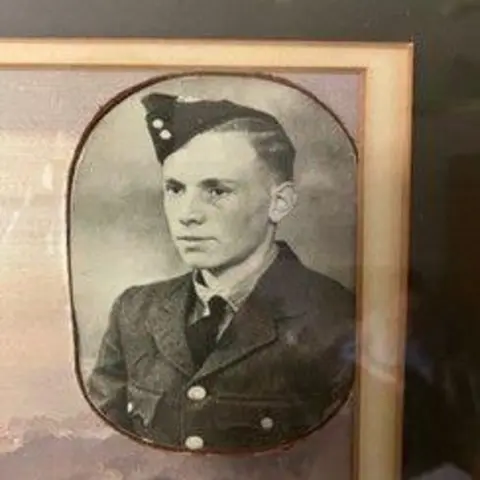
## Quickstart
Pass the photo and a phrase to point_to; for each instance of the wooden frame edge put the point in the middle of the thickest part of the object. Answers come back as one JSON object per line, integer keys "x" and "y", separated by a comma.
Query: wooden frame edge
{"x": 385, "y": 208}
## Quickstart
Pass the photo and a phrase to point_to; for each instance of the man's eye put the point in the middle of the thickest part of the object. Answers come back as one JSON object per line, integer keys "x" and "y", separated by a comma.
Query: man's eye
{"x": 173, "y": 189}
{"x": 217, "y": 192}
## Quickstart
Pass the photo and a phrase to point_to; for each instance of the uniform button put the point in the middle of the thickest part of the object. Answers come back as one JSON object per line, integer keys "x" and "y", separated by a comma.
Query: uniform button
{"x": 194, "y": 442}
{"x": 165, "y": 134}
{"x": 196, "y": 393}
{"x": 129, "y": 407}
{"x": 267, "y": 423}
{"x": 158, "y": 123}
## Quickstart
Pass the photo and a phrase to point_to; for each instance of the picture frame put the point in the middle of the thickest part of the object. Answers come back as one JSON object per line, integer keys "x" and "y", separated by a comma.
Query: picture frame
{"x": 383, "y": 183}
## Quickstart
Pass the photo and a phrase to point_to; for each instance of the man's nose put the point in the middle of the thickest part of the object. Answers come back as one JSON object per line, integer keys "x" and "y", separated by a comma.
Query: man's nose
{"x": 192, "y": 211}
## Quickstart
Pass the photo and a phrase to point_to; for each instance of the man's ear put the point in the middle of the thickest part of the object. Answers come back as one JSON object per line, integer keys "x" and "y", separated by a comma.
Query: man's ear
{"x": 284, "y": 198}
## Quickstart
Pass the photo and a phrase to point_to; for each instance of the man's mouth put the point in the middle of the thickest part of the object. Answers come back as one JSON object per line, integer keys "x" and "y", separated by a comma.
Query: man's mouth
{"x": 193, "y": 238}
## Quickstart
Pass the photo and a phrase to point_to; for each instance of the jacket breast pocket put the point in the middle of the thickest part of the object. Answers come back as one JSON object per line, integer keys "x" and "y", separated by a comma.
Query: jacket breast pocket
{"x": 142, "y": 404}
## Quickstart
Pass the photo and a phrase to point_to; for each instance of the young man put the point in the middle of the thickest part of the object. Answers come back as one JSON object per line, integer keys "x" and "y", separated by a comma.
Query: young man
{"x": 251, "y": 349}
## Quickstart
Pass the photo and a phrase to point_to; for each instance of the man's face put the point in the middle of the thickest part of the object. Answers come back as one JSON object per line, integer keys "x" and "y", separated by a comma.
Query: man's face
{"x": 217, "y": 196}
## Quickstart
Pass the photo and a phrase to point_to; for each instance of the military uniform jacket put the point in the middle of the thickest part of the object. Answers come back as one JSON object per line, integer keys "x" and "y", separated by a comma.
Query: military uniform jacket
{"x": 281, "y": 369}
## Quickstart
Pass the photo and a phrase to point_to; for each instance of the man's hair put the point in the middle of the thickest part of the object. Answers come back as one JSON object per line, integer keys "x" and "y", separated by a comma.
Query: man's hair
{"x": 270, "y": 142}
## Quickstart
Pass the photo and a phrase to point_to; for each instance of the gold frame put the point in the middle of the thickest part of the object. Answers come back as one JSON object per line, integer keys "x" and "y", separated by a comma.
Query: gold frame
{"x": 384, "y": 190}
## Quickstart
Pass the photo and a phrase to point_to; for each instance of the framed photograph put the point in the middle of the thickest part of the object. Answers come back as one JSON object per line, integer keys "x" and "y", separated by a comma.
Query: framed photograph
{"x": 205, "y": 254}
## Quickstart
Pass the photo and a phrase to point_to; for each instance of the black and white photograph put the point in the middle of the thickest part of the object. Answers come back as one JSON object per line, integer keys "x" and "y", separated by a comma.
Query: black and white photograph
{"x": 212, "y": 242}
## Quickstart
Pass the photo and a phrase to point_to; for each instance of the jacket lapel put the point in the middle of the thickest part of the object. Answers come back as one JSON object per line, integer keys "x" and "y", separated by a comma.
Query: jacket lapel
{"x": 251, "y": 329}
{"x": 254, "y": 326}
{"x": 165, "y": 323}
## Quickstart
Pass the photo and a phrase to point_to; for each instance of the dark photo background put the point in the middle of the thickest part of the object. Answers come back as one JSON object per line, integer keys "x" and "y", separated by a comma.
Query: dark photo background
{"x": 443, "y": 374}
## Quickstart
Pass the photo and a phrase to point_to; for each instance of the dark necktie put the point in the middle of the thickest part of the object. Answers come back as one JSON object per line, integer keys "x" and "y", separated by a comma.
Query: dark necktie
{"x": 202, "y": 335}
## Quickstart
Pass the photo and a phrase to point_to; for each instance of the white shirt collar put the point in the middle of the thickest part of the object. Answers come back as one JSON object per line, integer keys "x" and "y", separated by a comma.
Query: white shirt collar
{"x": 236, "y": 287}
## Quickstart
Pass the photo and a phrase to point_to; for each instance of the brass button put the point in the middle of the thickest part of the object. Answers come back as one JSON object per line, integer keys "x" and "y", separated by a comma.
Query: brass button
{"x": 165, "y": 134}
{"x": 196, "y": 393}
{"x": 158, "y": 123}
{"x": 194, "y": 442}
{"x": 267, "y": 423}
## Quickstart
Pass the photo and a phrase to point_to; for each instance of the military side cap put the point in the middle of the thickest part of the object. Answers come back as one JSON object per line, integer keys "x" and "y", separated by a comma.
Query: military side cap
{"x": 174, "y": 120}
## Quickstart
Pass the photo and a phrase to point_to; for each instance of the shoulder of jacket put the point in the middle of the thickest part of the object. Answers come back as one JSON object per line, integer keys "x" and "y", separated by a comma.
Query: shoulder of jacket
{"x": 319, "y": 290}
{"x": 330, "y": 291}
{"x": 328, "y": 306}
